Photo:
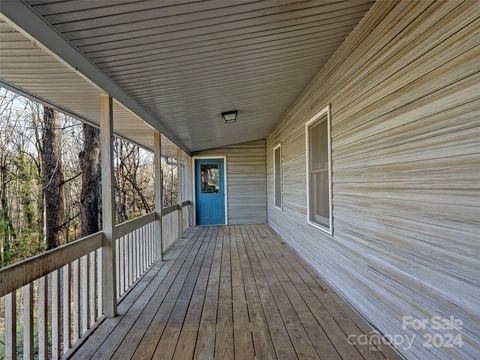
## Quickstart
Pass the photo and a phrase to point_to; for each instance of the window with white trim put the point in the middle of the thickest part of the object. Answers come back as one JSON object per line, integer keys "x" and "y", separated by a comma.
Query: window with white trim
{"x": 319, "y": 174}
{"x": 277, "y": 176}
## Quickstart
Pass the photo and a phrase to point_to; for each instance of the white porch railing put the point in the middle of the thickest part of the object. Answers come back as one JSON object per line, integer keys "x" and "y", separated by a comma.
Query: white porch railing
{"x": 61, "y": 289}
{"x": 135, "y": 250}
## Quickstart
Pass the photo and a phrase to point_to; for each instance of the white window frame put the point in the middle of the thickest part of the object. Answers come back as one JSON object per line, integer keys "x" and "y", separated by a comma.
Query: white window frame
{"x": 308, "y": 124}
{"x": 281, "y": 179}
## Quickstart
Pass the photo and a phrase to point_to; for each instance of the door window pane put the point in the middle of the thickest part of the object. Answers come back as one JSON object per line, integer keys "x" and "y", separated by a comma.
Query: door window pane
{"x": 210, "y": 178}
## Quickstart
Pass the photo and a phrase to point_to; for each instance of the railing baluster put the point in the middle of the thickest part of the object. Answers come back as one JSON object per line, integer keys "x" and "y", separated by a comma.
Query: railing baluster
{"x": 55, "y": 314}
{"x": 142, "y": 251}
{"x": 145, "y": 242}
{"x": 144, "y": 257}
{"x": 149, "y": 238}
{"x": 76, "y": 300}
{"x": 11, "y": 326}
{"x": 92, "y": 284}
{"x": 152, "y": 248}
{"x": 28, "y": 321}
{"x": 43, "y": 318}
{"x": 145, "y": 247}
{"x": 149, "y": 246}
{"x": 121, "y": 267}
{"x": 131, "y": 265}
{"x": 99, "y": 283}
{"x": 125, "y": 254}
{"x": 85, "y": 291}
{"x": 117, "y": 266}
{"x": 66, "y": 308}
{"x": 135, "y": 255}
{"x": 130, "y": 260}
{"x": 155, "y": 244}
{"x": 127, "y": 261}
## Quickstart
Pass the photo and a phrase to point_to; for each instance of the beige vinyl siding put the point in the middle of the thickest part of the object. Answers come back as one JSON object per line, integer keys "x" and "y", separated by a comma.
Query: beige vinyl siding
{"x": 404, "y": 91}
{"x": 246, "y": 181}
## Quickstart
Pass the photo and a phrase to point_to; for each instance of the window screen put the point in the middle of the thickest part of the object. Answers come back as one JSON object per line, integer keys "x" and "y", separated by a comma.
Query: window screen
{"x": 318, "y": 172}
{"x": 277, "y": 176}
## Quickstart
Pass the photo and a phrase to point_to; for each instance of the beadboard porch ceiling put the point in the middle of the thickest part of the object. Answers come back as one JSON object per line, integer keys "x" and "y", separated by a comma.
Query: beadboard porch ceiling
{"x": 184, "y": 62}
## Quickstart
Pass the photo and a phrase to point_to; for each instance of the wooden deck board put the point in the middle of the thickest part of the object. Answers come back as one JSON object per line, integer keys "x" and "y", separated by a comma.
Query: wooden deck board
{"x": 262, "y": 338}
{"x": 231, "y": 292}
{"x": 244, "y": 348}
{"x": 224, "y": 329}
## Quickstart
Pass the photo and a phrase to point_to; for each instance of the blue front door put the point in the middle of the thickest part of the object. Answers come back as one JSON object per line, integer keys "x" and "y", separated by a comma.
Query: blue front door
{"x": 209, "y": 191}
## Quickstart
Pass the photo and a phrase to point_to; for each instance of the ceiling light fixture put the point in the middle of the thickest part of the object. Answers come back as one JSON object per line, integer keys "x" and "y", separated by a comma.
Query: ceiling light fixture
{"x": 230, "y": 116}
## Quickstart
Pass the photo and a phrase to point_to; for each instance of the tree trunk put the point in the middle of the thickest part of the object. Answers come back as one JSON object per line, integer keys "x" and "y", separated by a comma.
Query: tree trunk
{"x": 90, "y": 197}
{"x": 5, "y": 219}
{"x": 41, "y": 213}
{"x": 52, "y": 178}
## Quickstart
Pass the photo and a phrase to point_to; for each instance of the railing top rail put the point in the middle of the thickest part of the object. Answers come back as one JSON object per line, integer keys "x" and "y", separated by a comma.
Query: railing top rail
{"x": 131, "y": 225}
{"x": 15, "y": 276}
{"x": 169, "y": 209}
{"x": 24, "y": 272}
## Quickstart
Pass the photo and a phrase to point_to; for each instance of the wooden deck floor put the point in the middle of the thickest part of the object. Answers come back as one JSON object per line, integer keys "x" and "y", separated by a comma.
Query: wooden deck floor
{"x": 231, "y": 292}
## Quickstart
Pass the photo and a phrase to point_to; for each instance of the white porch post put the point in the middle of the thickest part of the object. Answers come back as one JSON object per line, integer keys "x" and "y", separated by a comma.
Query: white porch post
{"x": 179, "y": 191}
{"x": 189, "y": 195}
{"x": 108, "y": 207}
{"x": 158, "y": 184}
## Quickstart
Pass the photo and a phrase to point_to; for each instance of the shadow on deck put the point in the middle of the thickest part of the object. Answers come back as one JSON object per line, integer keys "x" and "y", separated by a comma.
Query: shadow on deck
{"x": 230, "y": 292}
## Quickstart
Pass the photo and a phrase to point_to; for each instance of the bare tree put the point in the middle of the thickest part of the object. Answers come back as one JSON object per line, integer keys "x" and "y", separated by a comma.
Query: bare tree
{"x": 50, "y": 178}
{"x": 133, "y": 180}
{"x": 53, "y": 178}
{"x": 7, "y": 130}
{"x": 90, "y": 196}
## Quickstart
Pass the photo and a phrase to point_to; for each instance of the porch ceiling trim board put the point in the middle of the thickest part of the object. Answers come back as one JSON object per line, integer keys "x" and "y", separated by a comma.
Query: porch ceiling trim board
{"x": 31, "y": 24}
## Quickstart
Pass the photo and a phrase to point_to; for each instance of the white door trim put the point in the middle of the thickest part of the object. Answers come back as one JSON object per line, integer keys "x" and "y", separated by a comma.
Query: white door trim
{"x": 225, "y": 185}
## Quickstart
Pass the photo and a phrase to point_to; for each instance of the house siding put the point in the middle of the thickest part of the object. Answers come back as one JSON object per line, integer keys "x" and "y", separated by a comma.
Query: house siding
{"x": 246, "y": 181}
{"x": 404, "y": 91}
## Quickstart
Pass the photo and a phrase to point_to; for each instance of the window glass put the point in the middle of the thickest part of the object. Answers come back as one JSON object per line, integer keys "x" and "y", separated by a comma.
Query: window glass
{"x": 184, "y": 182}
{"x": 278, "y": 177}
{"x": 210, "y": 178}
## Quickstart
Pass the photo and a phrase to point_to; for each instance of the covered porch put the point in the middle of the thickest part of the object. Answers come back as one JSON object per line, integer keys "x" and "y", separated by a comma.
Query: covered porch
{"x": 346, "y": 183}
{"x": 232, "y": 292}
